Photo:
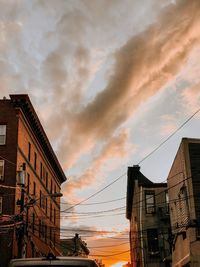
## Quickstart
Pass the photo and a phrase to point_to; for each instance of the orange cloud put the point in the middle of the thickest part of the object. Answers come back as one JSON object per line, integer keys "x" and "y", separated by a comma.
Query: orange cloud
{"x": 117, "y": 147}
{"x": 169, "y": 125}
{"x": 142, "y": 67}
{"x": 112, "y": 250}
{"x": 191, "y": 98}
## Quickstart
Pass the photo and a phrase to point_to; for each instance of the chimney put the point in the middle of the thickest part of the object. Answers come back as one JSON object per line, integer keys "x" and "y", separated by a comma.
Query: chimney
{"x": 133, "y": 171}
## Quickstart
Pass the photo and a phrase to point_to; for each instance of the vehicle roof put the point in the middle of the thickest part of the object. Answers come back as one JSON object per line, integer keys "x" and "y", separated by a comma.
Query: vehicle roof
{"x": 58, "y": 260}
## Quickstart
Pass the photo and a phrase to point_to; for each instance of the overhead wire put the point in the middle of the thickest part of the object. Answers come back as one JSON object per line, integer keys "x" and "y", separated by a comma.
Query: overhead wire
{"x": 169, "y": 137}
{"x": 142, "y": 160}
{"x": 96, "y": 193}
{"x": 95, "y": 203}
{"x": 84, "y": 200}
{"x": 13, "y": 163}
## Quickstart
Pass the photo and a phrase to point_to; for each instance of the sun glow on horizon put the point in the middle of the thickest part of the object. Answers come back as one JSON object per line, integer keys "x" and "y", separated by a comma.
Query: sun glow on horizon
{"x": 119, "y": 264}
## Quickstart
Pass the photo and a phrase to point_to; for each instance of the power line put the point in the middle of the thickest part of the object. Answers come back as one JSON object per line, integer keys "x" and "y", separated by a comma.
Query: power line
{"x": 8, "y": 160}
{"x": 147, "y": 156}
{"x": 95, "y": 203}
{"x": 95, "y": 193}
{"x": 96, "y": 212}
{"x": 169, "y": 137}
{"x": 111, "y": 255}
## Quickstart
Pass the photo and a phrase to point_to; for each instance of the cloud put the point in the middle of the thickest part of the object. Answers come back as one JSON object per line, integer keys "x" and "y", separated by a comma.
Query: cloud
{"x": 102, "y": 242}
{"x": 142, "y": 67}
{"x": 116, "y": 148}
{"x": 191, "y": 97}
{"x": 51, "y": 49}
{"x": 117, "y": 245}
{"x": 168, "y": 125}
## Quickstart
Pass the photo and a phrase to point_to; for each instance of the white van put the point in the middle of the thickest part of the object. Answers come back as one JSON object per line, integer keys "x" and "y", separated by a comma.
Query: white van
{"x": 53, "y": 262}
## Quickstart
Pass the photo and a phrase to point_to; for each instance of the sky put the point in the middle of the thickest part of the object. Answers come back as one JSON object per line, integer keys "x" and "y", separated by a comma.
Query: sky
{"x": 110, "y": 80}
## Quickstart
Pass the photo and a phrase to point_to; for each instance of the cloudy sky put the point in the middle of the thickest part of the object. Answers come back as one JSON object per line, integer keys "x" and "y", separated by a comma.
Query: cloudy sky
{"x": 110, "y": 80}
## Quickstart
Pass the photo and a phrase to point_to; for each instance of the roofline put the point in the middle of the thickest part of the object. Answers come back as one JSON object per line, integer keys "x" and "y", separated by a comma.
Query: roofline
{"x": 134, "y": 174}
{"x": 23, "y": 102}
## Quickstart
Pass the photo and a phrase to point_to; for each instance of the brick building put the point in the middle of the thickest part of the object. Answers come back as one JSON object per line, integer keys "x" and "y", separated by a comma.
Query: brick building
{"x": 29, "y": 214}
{"x": 184, "y": 197}
{"x": 147, "y": 211}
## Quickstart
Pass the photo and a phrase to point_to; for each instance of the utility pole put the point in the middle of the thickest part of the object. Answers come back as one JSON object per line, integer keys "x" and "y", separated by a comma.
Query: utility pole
{"x": 20, "y": 231}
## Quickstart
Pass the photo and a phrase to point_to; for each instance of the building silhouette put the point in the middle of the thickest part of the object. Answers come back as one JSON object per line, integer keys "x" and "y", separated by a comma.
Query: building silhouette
{"x": 184, "y": 198}
{"x": 30, "y": 180}
{"x": 148, "y": 213}
{"x": 74, "y": 247}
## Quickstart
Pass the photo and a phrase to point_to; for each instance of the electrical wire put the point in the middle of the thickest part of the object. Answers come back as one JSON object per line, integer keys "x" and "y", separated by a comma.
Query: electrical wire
{"x": 169, "y": 137}
{"x": 147, "y": 156}
{"x": 8, "y": 160}
{"x": 95, "y": 203}
{"x": 96, "y": 192}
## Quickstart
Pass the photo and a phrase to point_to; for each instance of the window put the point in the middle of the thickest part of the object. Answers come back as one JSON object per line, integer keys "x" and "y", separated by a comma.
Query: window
{"x": 50, "y": 236}
{"x": 167, "y": 201}
{"x": 2, "y": 134}
{"x": 152, "y": 241}
{"x": 150, "y": 202}
{"x": 42, "y": 200}
{"x": 46, "y": 206}
{"x": 54, "y": 238}
{"x": 1, "y": 205}
{"x": 34, "y": 188}
{"x": 51, "y": 188}
{"x": 33, "y": 222}
{"x": 41, "y": 169}
{"x": 45, "y": 234}
{"x": 35, "y": 160}
{"x": 28, "y": 183}
{"x": 54, "y": 216}
{"x": 29, "y": 151}
{"x": 43, "y": 173}
{"x": 50, "y": 212}
{"x": 2, "y": 169}
{"x": 47, "y": 180}
{"x": 40, "y": 228}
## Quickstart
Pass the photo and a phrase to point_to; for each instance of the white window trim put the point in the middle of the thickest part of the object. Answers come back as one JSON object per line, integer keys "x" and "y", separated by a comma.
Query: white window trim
{"x": 3, "y": 134}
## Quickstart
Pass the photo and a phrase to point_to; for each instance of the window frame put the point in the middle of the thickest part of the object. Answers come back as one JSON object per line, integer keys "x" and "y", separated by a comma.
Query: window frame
{"x": 41, "y": 170}
{"x": 150, "y": 208}
{"x": 34, "y": 188}
{"x": 3, "y": 135}
{"x": 29, "y": 151}
{"x": 35, "y": 161}
{"x": 28, "y": 184}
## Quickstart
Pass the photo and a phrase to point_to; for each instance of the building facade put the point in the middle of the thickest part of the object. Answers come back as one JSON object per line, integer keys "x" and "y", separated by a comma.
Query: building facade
{"x": 30, "y": 180}
{"x": 147, "y": 211}
{"x": 74, "y": 247}
{"x": 184, "y": 198}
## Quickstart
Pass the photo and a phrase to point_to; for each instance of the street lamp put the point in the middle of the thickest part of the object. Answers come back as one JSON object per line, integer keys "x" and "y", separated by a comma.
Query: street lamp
{"x": 32, "y": 201}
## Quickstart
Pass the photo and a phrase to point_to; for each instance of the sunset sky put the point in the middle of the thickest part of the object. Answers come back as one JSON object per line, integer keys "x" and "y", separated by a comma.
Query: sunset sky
{"x": 110, "y": 80}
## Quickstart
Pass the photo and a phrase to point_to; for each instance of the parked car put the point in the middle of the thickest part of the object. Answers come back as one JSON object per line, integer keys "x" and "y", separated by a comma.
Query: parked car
{"x": 53, "y": 262}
